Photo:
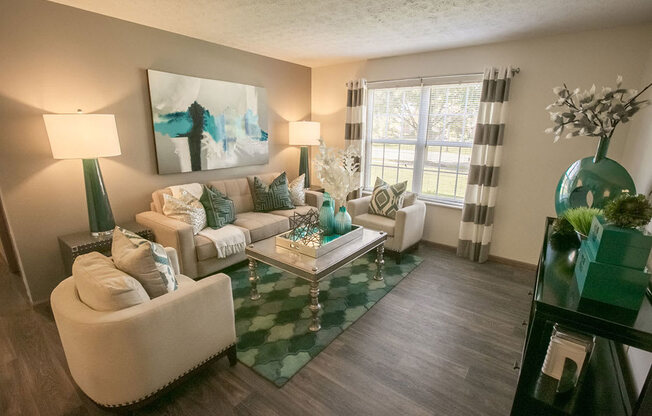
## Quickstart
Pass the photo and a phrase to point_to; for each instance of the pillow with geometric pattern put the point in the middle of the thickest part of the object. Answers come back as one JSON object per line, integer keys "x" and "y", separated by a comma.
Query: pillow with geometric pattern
{"x": 386, "y": 199}
{"x": 270, "y": 197}
{"x": 219, "y": 208}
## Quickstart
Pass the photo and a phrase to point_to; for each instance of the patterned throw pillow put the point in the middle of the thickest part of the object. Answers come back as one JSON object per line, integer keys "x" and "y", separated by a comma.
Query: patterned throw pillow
{"x": 387, "y": 199}
{"x": 219, "y": 208}
{"x": 297, "y": 191}
{"x": 143, "y": 260}
{"x": 186, "y": 208}
{"x": 276, "y": 195}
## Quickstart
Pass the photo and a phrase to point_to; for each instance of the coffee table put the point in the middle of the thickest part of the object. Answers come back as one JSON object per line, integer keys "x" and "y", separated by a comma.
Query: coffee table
{"x": 312, "y": 269}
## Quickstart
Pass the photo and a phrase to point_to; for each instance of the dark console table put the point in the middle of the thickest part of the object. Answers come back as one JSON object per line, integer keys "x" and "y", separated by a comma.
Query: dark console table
{"x": 606, "y": 389}
{"x": 73, "y": 245}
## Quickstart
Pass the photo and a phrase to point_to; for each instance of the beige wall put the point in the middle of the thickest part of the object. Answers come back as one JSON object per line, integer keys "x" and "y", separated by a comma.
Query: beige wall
{"x": 58, "y": 59}
{"x": 532, "y": 163}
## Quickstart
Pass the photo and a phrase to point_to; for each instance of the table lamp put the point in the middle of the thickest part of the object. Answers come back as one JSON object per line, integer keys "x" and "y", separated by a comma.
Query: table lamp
{"x": 304, "y": 134}
{"x": 87, "y": 137}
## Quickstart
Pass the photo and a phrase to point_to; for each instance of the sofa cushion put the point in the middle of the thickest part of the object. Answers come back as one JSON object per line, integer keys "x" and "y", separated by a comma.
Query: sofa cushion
{"x": 205, "y": 247}
{"x": 376, "y": 222}
{"x": 271, "y": 196}
{"x": 186, "y": 208}
{"x": 290, "y": 212}
{"x": 102, "y": 286}
{"x": 298, "y": 191}
{"x": 145, "y": 261}
{"x": 262, "y": 225}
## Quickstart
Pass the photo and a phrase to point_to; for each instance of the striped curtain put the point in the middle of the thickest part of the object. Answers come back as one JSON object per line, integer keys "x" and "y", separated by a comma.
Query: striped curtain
{"x": 356, "y": 112}
{"x": 480, "y": 197}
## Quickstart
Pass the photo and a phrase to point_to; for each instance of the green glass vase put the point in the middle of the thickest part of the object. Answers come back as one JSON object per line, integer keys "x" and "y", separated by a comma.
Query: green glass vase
{"x": 592, "y": 181}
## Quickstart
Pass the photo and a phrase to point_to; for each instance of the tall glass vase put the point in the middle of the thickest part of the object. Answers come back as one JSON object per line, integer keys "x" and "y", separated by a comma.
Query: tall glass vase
{"x": 342, "y": 221}
{"x": 326, "y": 216}
{"x": 592, "y": 181}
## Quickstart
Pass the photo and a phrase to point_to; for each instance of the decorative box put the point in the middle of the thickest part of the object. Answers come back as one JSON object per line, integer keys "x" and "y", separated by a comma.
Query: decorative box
{"x": 327, "y": 244}
{"x": 609, "y": 283}
{"x": 619, "y": 246}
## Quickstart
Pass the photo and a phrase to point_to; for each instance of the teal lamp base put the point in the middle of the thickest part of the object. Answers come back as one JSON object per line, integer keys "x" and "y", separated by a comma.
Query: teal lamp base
{"x": 304, "y": 166}
{"x": 100, "y": 216}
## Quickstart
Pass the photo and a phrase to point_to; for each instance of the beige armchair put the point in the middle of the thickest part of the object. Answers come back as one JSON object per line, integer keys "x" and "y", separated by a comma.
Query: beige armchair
{"x": 403, "y": 233}
{"x": 121, "y": 358}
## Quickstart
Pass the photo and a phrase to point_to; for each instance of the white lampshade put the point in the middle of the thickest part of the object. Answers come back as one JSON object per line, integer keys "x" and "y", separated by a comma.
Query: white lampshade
{"x": 82, "y": 136}
{"x": 304, "y": 133}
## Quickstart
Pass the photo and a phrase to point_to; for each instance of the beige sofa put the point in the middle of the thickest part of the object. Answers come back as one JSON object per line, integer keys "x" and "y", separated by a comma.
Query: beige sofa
{"x": 403, "y": 232}
{"x": 197, "y": 254}
{"x": 120, "y": 358}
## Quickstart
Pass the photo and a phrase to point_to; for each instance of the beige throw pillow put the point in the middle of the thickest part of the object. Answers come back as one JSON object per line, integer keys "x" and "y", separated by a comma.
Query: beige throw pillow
{"x": 298, "y": 191}
{"x": 102, "y": 287}
{"x": 145, "y": 261}
{"x": 186, "y": 208}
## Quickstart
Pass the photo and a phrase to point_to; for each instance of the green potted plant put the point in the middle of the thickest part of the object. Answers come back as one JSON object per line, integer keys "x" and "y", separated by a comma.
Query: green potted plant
{"x": 581, "y": 218}
{"x": 611, "y": 263}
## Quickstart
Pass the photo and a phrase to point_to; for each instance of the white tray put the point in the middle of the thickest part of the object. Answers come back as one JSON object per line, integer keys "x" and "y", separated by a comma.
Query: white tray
{"x": 282, "y": 240}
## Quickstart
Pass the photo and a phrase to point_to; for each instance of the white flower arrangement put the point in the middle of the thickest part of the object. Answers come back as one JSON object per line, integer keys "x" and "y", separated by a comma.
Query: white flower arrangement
{"x": 591, "y": 114}
{"x": 338, "y": 170}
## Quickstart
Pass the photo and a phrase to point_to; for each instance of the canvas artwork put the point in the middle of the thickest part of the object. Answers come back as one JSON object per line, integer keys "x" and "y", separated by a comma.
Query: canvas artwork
{"x": 203, "y": 124}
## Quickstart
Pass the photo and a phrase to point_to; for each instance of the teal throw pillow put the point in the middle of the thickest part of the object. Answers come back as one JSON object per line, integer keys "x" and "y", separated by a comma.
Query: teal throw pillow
{"x": 387, "y": 199}
{"x": 220, "y": 210}
{"x": 276, "y": 195}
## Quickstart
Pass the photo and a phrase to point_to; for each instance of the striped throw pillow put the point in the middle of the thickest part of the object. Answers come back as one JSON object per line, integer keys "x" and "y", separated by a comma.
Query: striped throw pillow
{"x": 387, "y": 199}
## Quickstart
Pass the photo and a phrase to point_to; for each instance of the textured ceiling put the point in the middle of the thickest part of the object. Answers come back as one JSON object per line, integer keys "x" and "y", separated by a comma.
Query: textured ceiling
{"x": 322, "y": 32}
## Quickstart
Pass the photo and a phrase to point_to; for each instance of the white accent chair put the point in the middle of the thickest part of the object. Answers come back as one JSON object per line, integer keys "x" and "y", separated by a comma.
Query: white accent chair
{"x": 403, "y": 233}
{"x": 121, "y": 358}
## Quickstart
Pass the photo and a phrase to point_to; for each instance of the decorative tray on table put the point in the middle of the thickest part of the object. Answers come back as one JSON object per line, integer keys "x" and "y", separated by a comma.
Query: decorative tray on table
{"x": 312, "y": 242}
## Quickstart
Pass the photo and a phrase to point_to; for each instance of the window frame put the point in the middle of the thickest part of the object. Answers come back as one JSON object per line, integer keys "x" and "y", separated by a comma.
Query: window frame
{"x": 421, "y": 143}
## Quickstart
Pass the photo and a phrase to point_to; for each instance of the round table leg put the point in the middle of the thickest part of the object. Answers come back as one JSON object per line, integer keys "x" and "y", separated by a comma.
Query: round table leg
{"x": 253, "y": 280}
{"x": 314, "y": 307}
{"x": 379, "y": 262}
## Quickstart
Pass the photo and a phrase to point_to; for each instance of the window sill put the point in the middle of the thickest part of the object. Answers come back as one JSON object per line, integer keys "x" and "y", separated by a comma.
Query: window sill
{"x": 433, "y": 202}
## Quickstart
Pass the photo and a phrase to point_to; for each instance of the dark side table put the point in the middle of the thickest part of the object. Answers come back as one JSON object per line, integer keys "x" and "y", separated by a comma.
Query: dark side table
{"x": 73, "y": 245}
{"x": 606, "y": 388}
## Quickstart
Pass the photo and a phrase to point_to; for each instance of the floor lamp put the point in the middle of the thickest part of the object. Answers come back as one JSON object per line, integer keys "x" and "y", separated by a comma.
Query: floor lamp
{"x": 87, "y": 137}
{"x": 304, "y": 134}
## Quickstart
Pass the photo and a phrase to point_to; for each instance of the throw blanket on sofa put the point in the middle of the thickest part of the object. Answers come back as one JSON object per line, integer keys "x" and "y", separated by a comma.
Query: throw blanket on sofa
{"x": 228, "y": 240}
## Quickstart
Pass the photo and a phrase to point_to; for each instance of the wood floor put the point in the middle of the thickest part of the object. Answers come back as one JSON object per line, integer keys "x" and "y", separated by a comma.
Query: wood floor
{"x": 443, "y": 342}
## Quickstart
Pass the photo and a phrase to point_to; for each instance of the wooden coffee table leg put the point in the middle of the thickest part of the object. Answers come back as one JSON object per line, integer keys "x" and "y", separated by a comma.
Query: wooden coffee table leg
{"x": 379, "y": 262}
{"x": 253, "y": 280}
{"x": 314, "y": 306}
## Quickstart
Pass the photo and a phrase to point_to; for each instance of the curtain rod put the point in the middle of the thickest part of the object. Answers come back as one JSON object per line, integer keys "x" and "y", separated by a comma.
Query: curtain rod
{"x": 514, "y": 72}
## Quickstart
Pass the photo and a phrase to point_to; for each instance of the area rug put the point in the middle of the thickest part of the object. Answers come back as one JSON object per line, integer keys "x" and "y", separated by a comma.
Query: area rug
{"x": 273, "y": 335}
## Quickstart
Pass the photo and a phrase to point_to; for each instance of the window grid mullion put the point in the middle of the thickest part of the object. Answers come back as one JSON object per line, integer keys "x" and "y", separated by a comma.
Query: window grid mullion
{"x": 421, "y": 144}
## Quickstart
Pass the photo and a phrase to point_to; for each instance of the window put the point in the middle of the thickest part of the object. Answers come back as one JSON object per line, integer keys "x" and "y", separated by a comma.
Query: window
{"x": 423, "y": 134}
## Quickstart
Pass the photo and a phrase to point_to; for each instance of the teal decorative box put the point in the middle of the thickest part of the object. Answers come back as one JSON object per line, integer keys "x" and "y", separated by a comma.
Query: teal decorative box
{"x": 609, "y": 283}
{"x": 619, "y": 246}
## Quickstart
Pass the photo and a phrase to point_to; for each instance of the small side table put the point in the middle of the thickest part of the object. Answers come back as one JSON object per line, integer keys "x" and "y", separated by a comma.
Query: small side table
{"x": 73, "y": 245}
{"x": 317, "y": 188}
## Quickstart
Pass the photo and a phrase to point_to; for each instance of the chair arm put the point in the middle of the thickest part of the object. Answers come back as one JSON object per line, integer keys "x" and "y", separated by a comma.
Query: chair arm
{"x": 358, "y": 206}
{"x": 173, "y": 233}
{"x": 408, "y": 229}
{"x": 123, "y": 356}
{"x": 314, "y": 199}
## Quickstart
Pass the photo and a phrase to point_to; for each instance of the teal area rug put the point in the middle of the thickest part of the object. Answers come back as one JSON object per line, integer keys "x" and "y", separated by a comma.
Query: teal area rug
{"x": 273, "y": 335}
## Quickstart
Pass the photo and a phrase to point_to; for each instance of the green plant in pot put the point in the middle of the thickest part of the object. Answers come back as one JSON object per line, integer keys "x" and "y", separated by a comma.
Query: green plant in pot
{"x": 581, "y": 218}
{"x": 611, "y": 263}
{"x": 593, "y": 181}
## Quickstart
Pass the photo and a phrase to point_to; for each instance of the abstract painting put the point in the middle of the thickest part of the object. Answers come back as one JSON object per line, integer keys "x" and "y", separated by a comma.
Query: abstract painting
{"x": 203, "y": 124}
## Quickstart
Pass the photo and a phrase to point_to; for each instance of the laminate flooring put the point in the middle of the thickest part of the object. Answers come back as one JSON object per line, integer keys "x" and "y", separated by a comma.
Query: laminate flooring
{"x": 443, "y": 342}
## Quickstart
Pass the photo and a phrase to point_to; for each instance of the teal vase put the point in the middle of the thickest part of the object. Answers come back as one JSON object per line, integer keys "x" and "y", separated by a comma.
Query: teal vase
{"x": 592, "y": 181}
{"x": 326, "y": 217}
{"x": 342, "y": 221}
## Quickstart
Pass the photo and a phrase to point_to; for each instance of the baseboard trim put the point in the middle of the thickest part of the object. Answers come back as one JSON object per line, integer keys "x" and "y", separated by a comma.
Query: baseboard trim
{"x": 495, "y": 259}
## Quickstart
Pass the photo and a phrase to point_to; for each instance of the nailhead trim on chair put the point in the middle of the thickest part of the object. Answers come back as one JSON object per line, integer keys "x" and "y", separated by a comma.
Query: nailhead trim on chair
{"x": 165, "y": 385}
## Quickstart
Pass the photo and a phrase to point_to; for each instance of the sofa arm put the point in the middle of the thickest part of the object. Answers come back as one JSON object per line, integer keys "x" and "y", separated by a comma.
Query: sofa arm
{"x": 408, "y": 229}
{"x": 314, "y": 199}
{"x": 358, "y": 206}
{"x": 123, "y": 356}
{"x": 173, "y": 233}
